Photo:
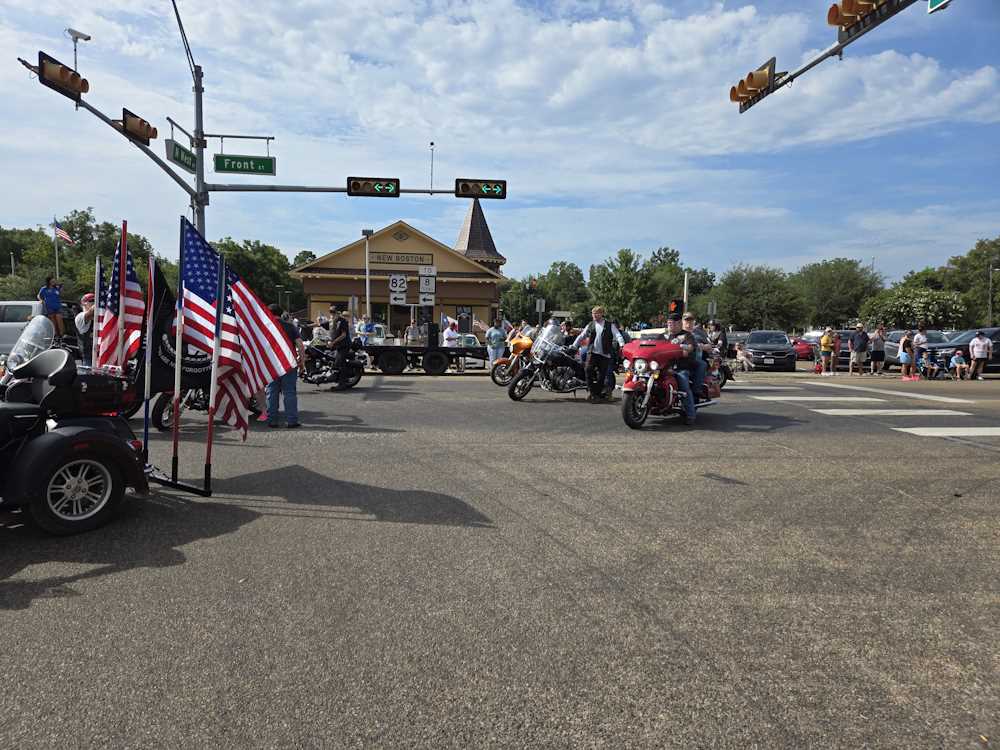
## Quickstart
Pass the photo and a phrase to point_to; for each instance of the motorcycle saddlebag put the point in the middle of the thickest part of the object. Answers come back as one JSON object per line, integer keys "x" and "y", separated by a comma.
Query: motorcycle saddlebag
{"x": 100, "y": 394}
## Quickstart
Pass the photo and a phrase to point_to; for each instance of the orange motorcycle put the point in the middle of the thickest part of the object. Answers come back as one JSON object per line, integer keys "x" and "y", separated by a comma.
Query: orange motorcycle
{"x": 505, "y": 368}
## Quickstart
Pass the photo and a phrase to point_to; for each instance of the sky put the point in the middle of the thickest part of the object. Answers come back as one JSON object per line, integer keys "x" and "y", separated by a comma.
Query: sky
{"x": 610, "y": 120}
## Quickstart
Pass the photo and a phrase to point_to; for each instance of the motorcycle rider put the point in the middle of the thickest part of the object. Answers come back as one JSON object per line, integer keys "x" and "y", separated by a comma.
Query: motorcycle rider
{"x": 685, "y": 339}
{"x": 717, "y": 336}
{"x": 704, "y": 346}
{"x": 340, "y": 342}
{"x": 602, "y": 335}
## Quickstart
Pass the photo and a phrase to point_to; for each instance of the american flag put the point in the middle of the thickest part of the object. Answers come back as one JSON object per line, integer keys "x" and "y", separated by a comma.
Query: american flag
{"x": 254, "y": 349}
{"x": 62, "y": 233}
{"x": 126, "y": 288}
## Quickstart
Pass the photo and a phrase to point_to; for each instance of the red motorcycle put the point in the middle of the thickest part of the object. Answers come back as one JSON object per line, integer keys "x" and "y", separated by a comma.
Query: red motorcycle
{"x": 651, "y": 385}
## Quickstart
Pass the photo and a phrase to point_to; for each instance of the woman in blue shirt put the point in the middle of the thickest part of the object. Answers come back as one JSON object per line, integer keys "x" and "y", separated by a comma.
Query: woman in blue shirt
{"x": 50, "y": 296}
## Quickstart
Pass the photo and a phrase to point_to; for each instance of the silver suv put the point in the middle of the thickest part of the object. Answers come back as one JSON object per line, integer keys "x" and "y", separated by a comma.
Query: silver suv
{"x": 14, "y": 316}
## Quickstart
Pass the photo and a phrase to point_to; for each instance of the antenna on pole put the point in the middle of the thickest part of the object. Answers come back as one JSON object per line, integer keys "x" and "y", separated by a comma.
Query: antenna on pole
{"x": 432, "y": 165}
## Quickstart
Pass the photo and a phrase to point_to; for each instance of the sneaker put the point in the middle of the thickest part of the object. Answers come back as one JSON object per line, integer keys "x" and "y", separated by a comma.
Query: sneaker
{"x": 262, "y": 417}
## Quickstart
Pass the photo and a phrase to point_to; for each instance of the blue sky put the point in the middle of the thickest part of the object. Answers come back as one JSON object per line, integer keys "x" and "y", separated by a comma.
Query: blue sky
{"x": 610, "y": 120}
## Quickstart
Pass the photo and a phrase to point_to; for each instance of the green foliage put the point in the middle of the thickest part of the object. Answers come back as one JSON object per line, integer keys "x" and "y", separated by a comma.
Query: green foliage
{"x": 906, "y": 306}
{"x": 564, "y": 288}
{"x": 517, "y": 300}
{"x": 969, "y": 276}
{"x": 758, "y": 297}
{"x": 620, "y": 286}
{"x": 303, "y": 257}
{"x": 264, "y": 268}
{"x": 926, "y": 278}
{"x": 832, "y": 291}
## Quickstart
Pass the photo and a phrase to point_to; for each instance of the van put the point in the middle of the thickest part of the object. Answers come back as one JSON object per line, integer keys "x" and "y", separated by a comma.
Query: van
{"x": 14, "y": 316}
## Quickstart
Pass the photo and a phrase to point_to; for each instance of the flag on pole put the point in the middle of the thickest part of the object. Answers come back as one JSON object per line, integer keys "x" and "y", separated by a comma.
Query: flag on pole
{"x": 253, "y": 347}
{"x": 123, "y": 310}
{"x": 62, "y": 233}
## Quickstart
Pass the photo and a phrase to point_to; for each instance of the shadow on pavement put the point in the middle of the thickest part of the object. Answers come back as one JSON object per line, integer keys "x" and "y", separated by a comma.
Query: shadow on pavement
{"x": 302, "y": 486}
{"x": 339, "y": 422}
{"x": 146, "y": 534}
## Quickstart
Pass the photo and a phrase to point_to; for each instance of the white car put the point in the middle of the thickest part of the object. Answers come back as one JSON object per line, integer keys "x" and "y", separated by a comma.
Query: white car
{"x": 14, "y": 316}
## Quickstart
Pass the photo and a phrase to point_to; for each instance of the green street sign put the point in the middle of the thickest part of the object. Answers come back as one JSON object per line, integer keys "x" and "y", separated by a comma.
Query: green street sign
{"x": 242, "y": 164}
{"x": 933, "y": 5}
{"x": 182, "y": 157}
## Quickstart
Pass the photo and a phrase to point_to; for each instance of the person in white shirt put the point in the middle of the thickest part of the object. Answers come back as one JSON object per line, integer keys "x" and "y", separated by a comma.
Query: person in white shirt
{"x": 450, "y": 335}
{"x": 980, "y": 350}
{"x": 602, "y": 336}
{"x": 920, "y": 343}
{"x": 85, "y": 328}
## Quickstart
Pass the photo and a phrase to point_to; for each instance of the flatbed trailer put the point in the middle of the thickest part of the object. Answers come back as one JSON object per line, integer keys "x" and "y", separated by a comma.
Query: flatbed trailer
{"x": 434, "y": 360}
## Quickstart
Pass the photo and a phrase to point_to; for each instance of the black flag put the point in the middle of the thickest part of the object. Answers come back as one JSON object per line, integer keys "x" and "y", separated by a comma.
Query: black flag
{"x": 196, "y": 366}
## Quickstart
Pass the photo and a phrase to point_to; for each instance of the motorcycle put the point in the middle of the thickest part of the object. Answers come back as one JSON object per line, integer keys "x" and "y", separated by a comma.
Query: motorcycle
{"x": 192, "y": 399}
{"x": 321, "y": 367}
{"x": 549, "y": 365}
{"x": 720, "y": 369}
{"x": 66, "y": 457}
{"x": 505, "y": 368}
{"x": 651, "y": 386}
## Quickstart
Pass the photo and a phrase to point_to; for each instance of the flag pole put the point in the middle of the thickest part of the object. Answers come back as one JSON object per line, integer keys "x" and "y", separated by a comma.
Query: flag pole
{"x": 213, "y": 388}
{"x": 120, "y": 354}
{"x": 95, "y": 323}
{"x": 55, "y": 245}
{"x": 150, "y": 309}
{"x": 178, "y": 354}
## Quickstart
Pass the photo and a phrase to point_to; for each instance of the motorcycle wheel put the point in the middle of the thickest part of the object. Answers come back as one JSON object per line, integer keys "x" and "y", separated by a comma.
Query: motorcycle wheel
{"x": 133, "y": 409}
{"x": 501, "y": 374}
{"x": 350, "y": 382}
{"x": 723, "y": 379}
{"x": 76, "y": 493}
{"x": 521, "y": 385}
{"x": 162, "y": 413}
{"x": 633, "y": 412}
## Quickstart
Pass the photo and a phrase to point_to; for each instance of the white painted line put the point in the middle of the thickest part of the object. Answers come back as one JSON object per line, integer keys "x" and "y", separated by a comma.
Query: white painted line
{"x": 891, "y": 413}
{"x": 852, "y": 399}
{"x": 899, "y": 393}
{"x": 738, "y": 387}
{"x": 951, "y": 431}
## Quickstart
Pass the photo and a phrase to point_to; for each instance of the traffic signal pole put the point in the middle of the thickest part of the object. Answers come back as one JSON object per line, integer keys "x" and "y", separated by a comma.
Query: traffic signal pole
{"x": 200, "y": 198}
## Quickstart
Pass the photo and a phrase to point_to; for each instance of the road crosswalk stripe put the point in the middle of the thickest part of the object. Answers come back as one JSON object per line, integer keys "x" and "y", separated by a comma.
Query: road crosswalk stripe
{"x": 891, "y": 412}
{"x": 737, "y": 387}
{"x": 852, "y": 399}
{"x": 898, "y": 394}
{"x": 951, "y": 431}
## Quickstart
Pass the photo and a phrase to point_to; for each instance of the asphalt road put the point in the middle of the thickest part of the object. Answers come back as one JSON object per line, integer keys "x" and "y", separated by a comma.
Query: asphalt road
{"x": 428, "y": 564}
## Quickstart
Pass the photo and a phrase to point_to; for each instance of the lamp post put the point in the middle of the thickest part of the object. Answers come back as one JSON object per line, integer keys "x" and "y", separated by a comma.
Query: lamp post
{"x": 278, "y": 288}
{"x": 990, "y": 300}
{"x": 367, "y": 234}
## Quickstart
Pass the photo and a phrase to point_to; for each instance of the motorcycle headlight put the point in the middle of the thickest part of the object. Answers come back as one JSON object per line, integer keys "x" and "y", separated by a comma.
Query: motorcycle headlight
{"x": 640, "y": 365}
{"x": 654, "y": 365}
{"x": 626, "y": 363}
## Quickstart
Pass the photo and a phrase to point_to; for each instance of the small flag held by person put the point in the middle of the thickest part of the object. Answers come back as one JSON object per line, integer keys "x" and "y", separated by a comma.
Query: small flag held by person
{"x": 62, "y": 233}
{"x": 121, "y": 323}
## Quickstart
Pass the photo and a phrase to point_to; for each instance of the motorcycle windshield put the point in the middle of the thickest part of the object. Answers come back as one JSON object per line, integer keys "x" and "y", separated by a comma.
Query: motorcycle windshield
{"x": 546, "y": 340}
{"x": 35, "y": 338}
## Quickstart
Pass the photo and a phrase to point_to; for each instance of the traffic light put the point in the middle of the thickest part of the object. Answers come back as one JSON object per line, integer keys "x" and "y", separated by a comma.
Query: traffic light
{"x": 675, "y": 307}
{"x": 466, "y": 188}
{"x": 135, "y": 128}
{"x": 854, "y": 18}
{"x": 373, "y": 187}
{"x": 758, "y": 84}
{"x": 61, "y": 78}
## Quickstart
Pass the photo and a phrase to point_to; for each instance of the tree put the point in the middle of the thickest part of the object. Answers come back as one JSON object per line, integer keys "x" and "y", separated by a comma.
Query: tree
{"x": 263, "y": 267}
{"x": 904, "y": 306}
{"x": 517, "y": 300}
{"x": 664, "y": 278}
{"x": 758, "y": 297}
{"x": 969, "y": 276}
{"x": 621, "y": 287}
{"x": 303, "y": 257}
{"x": 832, "y": 291}
{"x": 564, "y": 288}
{"x": 926, "y": 278}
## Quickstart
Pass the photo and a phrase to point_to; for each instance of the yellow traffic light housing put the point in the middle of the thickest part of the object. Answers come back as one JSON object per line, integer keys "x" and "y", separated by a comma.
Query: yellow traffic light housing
{"x": 757, "y": 84}
{"x": 135, "y": 128}
{"x": 61, "y": 78}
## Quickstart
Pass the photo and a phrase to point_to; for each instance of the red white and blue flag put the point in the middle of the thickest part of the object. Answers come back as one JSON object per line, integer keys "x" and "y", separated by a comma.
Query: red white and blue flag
{"x": 120, "y": 333}
{"x": 254, "y": 349}
{"x": 62, "y": 233}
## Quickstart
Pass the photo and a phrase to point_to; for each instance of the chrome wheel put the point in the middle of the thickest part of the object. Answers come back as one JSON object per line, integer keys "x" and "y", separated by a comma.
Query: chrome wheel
{"x": 79, "y": 490}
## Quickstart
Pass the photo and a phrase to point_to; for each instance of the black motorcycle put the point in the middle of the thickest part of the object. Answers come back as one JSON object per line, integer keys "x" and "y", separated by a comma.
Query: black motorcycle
{"x": 550, "y": 366}
{"x": 66, "y": 456}
{"x": 192, "y": 399}
{"x": 321, "y": 367}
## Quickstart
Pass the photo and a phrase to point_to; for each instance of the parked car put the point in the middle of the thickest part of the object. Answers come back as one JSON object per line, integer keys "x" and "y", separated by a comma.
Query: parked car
{"x": 892, "y": 344}
{"x": 14, "y": 316}
{"x": 469, "y": 339}
{"x": 805, "y": 349}
{"x": 770, "y": 350}
{"x": 961, "y": 341}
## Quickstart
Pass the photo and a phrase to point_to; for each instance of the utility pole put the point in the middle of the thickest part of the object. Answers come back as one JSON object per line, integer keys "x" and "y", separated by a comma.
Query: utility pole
{"x": 367, "y": 234}
{"x": 200, "y": 198}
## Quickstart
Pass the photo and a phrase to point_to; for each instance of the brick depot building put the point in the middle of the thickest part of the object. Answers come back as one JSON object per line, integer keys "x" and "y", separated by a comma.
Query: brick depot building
{"x": 468, "y": 275}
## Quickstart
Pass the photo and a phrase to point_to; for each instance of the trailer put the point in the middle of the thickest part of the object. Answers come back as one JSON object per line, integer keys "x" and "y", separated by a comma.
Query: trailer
{"x": 434, "y": 360}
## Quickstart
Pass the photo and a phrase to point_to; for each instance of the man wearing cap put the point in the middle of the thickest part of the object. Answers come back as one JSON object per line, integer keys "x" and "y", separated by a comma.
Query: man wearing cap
{"x": 980, "y": 349}
{"x": 602, "y": 335}
{"x": 85, "y": 328}
{"x": 677, "y": 335}
{"x": 858, "y": 347}
{"x": 703, "y": 346}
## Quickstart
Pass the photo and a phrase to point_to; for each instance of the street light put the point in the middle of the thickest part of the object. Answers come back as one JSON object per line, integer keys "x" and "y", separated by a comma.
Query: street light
{"x": 278, "y": 288}
{"x": 367, "y": 234}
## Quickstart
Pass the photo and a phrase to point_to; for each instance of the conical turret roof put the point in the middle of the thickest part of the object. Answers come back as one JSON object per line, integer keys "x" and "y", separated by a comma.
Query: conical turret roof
{"x": 475, "y": 240}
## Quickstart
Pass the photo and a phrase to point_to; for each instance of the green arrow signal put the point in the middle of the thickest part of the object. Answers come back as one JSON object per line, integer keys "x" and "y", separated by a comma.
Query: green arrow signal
{"x": 497, "y": 189}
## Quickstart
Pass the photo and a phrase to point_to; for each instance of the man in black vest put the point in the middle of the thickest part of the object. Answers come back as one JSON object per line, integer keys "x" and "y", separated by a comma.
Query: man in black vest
{"x": 602, "y": 335}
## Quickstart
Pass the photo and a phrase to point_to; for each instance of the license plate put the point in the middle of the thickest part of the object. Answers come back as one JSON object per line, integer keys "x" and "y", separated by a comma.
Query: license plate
{"x": 768, "y": 360}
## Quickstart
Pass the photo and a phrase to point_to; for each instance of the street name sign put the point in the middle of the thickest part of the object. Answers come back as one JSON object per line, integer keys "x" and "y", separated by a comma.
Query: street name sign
{"x": 182, "y": 157}
{"x": 243, "y": 164}
{"x": 933, "y": 5}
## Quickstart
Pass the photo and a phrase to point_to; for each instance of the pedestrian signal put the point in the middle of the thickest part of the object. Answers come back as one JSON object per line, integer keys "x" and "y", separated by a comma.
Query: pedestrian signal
{"x": 676, "y": 307}
{"x": 466, "y": 188}
{"x": 61, "y": 78}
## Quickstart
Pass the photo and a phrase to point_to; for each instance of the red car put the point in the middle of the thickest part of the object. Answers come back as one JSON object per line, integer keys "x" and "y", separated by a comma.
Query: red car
{"x": 804, "y": 349}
